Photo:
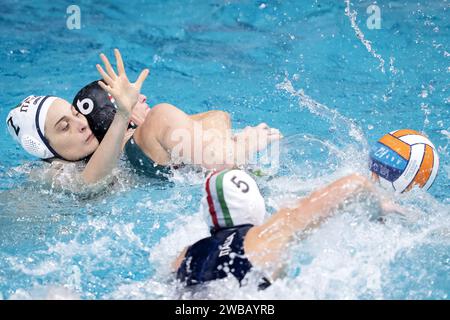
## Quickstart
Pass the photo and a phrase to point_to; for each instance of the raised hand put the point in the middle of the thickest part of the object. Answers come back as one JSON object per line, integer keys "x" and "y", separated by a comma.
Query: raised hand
{"x": 125, "y": 93}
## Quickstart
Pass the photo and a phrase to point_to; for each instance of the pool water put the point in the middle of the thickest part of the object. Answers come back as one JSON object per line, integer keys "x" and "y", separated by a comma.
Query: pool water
{"x": 313, "y": 69}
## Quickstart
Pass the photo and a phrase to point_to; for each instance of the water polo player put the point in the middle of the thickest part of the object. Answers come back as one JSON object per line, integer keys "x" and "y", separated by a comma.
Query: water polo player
{"x": 240, "y": 238}
{"x": 157, "y": 132}
{"x": 50, "y": 128}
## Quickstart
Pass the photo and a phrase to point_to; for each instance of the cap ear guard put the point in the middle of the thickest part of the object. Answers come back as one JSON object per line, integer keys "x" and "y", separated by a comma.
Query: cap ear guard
{"x": 35, "y": 147}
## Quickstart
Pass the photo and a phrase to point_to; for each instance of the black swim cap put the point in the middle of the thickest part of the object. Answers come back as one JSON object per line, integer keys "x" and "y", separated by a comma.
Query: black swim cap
{"x": 97, "y": 106}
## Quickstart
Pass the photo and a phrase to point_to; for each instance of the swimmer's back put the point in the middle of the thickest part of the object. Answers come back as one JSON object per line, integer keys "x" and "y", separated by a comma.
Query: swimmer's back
{"x": 216, "y": 257}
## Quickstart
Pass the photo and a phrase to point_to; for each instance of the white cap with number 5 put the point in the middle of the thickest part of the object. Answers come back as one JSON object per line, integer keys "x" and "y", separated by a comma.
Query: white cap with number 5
{"x": 232, "y": 198}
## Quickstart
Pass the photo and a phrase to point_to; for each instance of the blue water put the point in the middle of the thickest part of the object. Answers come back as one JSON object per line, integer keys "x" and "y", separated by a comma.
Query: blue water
{"x": 300, "y": 66}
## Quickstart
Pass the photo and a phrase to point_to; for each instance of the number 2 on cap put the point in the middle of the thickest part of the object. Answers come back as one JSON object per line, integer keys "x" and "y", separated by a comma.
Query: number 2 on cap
{"x": 16, "y": 129}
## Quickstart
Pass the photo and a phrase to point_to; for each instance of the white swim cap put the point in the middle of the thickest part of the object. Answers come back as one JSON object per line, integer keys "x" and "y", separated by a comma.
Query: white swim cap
{"x": 232, "y": 198}
{"x": 26, "y": 124}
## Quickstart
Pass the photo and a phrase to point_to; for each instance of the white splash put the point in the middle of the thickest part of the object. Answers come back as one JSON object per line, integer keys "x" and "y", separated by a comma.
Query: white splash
{"x": 330, "y": 115}
{"x": 51, "y": 292}
{"x": 352, "y": 17}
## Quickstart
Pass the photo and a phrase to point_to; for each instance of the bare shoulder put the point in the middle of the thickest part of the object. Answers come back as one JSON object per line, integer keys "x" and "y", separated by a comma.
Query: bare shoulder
{"x": 161, "y": 117}
{"x": 164, "y": 108}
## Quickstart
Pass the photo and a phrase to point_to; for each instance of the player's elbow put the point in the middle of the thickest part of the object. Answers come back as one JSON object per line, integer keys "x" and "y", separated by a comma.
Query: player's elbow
{"x": 222, "y": 115}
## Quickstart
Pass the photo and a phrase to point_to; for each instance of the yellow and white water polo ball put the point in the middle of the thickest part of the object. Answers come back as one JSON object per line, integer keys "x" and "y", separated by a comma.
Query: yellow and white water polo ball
{"x": 402, "y": 159}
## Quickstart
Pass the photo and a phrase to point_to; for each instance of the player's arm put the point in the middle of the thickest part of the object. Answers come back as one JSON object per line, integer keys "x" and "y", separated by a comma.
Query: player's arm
{"x": 264, "y": 244}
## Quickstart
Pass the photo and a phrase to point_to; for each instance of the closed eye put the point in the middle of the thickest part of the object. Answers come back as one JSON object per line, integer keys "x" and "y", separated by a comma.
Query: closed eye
{"x": 62, "y": 122}
{"x": 65, "y": 126}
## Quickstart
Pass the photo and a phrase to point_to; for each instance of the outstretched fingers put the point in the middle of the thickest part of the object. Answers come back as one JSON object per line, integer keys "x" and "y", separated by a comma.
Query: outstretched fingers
{"x": 105, "y": 87}
{"x": 104, "y": 75}
{"x": 119, "y": 61}
{"x": 140, "y": 80}
{"x": 108, "y": 66}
